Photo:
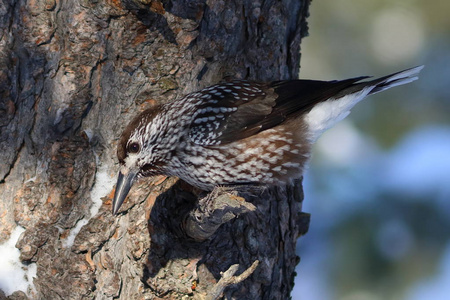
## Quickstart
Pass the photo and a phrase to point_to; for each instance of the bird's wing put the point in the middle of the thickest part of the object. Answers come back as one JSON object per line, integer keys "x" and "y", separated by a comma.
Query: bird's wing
{"x": 239, "y": 109}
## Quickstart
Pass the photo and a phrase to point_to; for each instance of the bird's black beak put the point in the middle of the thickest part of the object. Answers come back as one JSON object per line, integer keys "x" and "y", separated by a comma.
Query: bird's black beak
{"x": 123, "y": 186}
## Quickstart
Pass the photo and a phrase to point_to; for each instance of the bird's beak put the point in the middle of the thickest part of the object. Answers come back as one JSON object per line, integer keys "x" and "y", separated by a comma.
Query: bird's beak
{"x": 123, "y": 186}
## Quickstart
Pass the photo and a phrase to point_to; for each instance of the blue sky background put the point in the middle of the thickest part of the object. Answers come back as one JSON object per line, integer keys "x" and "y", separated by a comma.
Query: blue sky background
{"x": 378, "y": 187}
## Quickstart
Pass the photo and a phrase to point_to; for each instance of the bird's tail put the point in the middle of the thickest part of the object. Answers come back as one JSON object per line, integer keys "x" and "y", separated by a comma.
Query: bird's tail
{"x": 326, "y": 114}
{"x": 399, "y": 78}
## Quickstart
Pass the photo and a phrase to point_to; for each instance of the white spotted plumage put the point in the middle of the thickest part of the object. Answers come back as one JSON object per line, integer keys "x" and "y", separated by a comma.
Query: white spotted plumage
{"x": 241, "y": 132}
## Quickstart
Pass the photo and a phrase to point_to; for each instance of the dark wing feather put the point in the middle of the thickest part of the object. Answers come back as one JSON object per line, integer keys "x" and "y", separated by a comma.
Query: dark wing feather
{"x": 240, "y": 109}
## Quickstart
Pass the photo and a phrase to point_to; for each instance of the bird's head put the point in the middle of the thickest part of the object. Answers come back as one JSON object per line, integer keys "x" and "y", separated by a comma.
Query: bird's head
{"x": 139, "y": 153}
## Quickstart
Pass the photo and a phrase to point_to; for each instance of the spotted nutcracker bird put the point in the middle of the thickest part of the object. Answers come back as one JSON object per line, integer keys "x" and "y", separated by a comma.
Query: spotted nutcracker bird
{"x": 239, "y": 132}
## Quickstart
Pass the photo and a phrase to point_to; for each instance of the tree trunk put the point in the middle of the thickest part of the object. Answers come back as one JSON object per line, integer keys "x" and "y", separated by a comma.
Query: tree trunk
{"x": 72, "y": 74}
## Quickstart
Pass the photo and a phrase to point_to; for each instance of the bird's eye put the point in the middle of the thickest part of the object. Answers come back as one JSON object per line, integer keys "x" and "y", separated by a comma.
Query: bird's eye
{"x": 133, "y": 148}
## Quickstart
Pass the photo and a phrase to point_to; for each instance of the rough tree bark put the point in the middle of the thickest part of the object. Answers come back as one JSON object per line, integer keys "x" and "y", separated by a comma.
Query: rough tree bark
{"x": 72, "y": 74}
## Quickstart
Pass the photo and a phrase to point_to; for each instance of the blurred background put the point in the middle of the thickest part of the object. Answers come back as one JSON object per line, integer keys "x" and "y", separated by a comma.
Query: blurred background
{"x": 378, "y": 187}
